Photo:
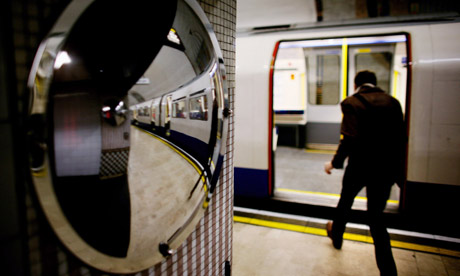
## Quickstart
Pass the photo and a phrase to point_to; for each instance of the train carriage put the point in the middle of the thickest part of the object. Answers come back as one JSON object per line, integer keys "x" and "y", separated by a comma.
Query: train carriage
{"x": 184, "y": 116}
{"x": 292, "y": 81}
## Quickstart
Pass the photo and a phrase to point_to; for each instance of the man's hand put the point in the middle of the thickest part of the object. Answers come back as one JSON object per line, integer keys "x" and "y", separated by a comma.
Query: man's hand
{"x": 328, "y": 167}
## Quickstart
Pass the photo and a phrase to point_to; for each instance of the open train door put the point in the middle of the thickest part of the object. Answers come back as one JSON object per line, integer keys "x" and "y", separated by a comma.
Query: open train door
{"x": 167, "y": 106}
{"x": 310, "y": 78}
{"x": 389, "y": 62}
{"x": 387, "y": 56}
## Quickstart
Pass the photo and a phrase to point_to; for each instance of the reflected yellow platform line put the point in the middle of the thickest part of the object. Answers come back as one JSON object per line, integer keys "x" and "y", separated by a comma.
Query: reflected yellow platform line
{"x": 173, "y": 148}
{"x": 347, "y": 236}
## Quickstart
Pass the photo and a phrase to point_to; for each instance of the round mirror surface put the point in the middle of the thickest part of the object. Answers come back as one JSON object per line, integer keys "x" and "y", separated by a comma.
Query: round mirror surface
{"x": 127, "y": 128}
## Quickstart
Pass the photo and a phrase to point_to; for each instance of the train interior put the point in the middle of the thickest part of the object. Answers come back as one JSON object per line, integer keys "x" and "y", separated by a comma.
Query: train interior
{"x": 310, "y": 79}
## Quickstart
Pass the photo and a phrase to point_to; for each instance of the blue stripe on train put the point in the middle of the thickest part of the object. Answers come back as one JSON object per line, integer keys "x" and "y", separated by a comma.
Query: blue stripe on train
{"x": 251, "y": 182}
{"x": 195, "y": 147}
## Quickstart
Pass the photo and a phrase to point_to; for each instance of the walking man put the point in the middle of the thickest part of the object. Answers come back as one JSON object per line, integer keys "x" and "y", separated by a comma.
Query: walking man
{"x": 373, "y": 139}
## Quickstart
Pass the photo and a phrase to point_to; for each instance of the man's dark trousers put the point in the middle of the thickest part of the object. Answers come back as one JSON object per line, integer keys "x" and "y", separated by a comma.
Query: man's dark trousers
{"x": 378, "y": 191}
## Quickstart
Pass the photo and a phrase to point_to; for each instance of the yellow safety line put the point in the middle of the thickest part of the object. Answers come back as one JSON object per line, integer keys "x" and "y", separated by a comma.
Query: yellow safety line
{"x": 395, "y": 83}
{"x": 325, "y": 194}
{"x": 320, "y": 151}
{"x": 203, "y": 180}
{"x": 40, "y": 173}
{"x": 177, "y": 151}
{"x": 344, "y": 68}
{"x": 346, "y": 236}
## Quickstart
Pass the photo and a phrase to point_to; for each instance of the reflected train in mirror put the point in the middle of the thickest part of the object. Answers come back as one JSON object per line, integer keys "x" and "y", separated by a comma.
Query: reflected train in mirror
{"x": 127, "y": 132}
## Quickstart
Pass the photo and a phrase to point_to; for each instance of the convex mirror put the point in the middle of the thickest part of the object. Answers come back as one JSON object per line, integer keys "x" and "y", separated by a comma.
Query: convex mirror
{"x": 128, "y": 120}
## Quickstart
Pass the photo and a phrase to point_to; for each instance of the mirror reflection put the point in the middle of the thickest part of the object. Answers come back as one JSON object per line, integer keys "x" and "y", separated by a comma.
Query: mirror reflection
{"x": 127, "y": 128}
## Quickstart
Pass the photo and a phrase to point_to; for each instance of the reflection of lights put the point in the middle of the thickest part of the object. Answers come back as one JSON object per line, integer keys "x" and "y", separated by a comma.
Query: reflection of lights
{"x": 61, "y": 59}
{"x": 172, "y": 36}
{"x": 439, "y": 60}
{"x": 118, "y": 109}
{"x": 213, "y": 70}
{"x": 119, "y": 106}
{"x": 114, "y": 112}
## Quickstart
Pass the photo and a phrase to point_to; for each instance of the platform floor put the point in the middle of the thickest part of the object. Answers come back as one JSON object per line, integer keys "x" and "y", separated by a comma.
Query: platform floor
{"x": 300, "y": 176}
{"x": 259, "y": 250}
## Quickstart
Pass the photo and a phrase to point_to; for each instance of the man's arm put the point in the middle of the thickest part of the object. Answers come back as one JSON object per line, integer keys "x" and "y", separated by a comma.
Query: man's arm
{"x": 342, "y": 152}
{"x": 349, "y": 131}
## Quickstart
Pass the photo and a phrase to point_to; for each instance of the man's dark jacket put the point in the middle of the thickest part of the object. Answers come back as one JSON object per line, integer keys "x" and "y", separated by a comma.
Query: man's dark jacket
{"x": 373, "y": 134}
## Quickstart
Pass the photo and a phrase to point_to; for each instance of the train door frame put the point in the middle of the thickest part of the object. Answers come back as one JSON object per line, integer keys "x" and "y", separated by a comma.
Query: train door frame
{"x": 153, "y": 114}
{"x": 166, "y": 110}
{"x": 332, "y": 110}
{"x": 345, "y": 80}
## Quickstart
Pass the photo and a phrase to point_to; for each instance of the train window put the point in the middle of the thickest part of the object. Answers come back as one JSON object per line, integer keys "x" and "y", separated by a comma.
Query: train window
{"x": 199, "y": 108}
{"x": 324, "y": 81}
{"x": 179, "y": 109}
{"x": 380, "y": 63}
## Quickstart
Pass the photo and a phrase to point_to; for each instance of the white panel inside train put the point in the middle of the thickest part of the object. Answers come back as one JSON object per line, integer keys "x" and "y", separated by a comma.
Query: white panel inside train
{"x": 314, "y": 70}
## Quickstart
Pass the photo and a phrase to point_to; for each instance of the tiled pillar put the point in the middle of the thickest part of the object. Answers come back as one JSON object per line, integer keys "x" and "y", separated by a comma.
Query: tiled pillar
{"x": 209, "y": 247}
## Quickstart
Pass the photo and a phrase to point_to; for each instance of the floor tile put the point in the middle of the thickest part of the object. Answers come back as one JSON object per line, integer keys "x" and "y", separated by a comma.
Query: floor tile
{"x": 265, "y": 251}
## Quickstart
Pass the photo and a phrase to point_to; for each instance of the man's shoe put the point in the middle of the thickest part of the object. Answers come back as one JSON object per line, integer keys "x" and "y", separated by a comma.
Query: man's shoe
{"x": 337, "y": 243}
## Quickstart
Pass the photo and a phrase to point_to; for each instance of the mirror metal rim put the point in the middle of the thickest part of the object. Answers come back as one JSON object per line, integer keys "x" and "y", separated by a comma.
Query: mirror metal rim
{"x": 41, "y": 175}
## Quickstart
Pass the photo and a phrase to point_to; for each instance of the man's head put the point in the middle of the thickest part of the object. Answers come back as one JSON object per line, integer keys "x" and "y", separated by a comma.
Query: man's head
{"x": 365, "y": 77}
